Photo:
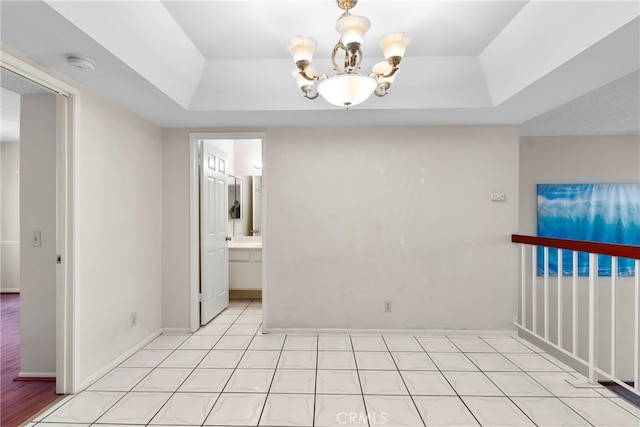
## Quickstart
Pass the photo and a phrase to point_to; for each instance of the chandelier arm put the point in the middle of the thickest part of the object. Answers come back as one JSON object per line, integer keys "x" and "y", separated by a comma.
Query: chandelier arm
{"x": 358, "y": 56}
{"x": 391, "y": 73}
{"x": 333, "y": 57}
{"x": 382, "y": 92}
{"x": 306, "y": 95}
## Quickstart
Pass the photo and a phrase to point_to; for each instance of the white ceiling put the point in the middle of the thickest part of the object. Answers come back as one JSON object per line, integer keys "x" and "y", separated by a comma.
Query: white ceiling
{"x": 557, "y": 67}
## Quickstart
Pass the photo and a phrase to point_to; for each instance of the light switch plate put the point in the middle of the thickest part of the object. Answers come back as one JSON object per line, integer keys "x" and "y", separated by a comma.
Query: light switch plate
{"x": 36, "y": 239}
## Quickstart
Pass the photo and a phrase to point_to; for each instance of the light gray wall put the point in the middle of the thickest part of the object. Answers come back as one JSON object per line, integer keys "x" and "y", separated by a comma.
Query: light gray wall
{"x": 10, "y": 217}
{"x": 38, "y": 212}
{"x": 401, "y": 214}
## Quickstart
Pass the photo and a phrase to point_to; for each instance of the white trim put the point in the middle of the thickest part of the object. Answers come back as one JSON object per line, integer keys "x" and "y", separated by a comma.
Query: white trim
{"x": 68, "y": 122}
{"x": 194, "y": 241}
{"x": 194, "y": 230}
{"x": 10, "y": 291}
{"x": 10, "y": 243}
{"x": 176, "y": 331}
{"x": 417, "y": 332}
{"x": 264, "y": 230}
{"x": 114, "y": 363}
{"x": 36, "y": 375}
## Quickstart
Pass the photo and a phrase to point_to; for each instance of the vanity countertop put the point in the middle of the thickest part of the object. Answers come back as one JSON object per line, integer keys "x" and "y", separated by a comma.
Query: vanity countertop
{"x": 246, "y": 242}
{"x": 245, "y": 245}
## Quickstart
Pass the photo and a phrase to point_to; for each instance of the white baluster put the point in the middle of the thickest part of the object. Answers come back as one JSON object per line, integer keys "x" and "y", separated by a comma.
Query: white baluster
{"x": 614, "y": 277}
{"x": 593, "y": 317}
{"x": 534, "y": 291}
{"x": 574, "y": 286}
{"x": 546, "y": 293}
{"x": 560, "y": 299}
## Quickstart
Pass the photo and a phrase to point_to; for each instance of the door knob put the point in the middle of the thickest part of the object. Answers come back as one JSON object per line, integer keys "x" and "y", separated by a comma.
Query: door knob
{"x": 228, "y": 239}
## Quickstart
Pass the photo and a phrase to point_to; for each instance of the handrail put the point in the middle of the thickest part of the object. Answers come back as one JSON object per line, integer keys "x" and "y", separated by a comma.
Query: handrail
{"x": 537, "y": 288}
{"x": 622, "y": 251}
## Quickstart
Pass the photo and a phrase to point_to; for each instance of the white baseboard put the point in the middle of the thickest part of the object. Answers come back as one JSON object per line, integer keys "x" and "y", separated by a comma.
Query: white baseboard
{"x": 417, "y": 332}
{"x": 176, "y": 331}
{"x": 10, "y": 291}
{"x": 118, "y": 360}
{"x": 37, "y": 375}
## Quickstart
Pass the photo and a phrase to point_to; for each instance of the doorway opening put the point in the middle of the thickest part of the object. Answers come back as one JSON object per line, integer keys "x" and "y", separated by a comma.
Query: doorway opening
{"x": 243, "y": 212}
{"x": 47, "y": 116}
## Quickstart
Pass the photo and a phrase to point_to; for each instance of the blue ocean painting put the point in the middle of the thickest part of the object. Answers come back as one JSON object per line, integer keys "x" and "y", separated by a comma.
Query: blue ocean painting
{"x": 606, "y": 213}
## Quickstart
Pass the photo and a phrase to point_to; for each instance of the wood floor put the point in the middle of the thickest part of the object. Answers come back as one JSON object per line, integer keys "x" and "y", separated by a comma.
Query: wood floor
{"x": 19, "y": 400}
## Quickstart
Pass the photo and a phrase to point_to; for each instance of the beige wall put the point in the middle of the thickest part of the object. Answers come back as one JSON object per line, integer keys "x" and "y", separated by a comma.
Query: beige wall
{"x": 558, "y": 160}
{"x": 401, "y": 214}
{"x": 175, "y": 229}
{"x": 10, "y": 217}
{"x": 393, "y": 214}
{"x": 38, "y": 126}
{"x": 119, "y": 179}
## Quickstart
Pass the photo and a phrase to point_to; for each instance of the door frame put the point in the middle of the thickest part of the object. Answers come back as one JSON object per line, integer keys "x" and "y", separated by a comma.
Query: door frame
{"x": 194, "y": 216}
{"x": 67, "y": 118}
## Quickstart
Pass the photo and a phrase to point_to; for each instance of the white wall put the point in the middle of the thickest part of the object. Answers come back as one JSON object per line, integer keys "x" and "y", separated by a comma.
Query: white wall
{"x": 10, "y": 217}
{"x": 38, "y": 212}
{"x": 598, "y": 159}
{"x": 119, "y": 181}
{"x": 402, "y": 214}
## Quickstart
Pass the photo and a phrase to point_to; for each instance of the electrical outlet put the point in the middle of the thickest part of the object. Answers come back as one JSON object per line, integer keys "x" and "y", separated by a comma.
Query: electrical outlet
{"x": 387, "y": 306}
{"x": 134, "y": 319}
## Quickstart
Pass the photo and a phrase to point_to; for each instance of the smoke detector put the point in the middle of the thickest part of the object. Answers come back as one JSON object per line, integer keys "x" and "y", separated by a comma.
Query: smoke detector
{"x": 80, "y": 63}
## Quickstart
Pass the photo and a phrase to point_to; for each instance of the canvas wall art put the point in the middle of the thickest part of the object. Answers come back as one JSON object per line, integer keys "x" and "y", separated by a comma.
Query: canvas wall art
{"x": 606, "y": 213}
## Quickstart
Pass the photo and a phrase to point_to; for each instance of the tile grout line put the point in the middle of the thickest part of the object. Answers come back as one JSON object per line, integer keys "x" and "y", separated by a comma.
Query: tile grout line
{"x": 355, "y": 361}
{"x": 503, "y": 354}
{"x": 193, "y": 370}
{"x": 264, "y": 405}
{"x": 234, "y": 369}
{"x": 500, "y": 388}
{"x": 448, "y": 382}
{"x": 125, "y": 392}
{"x": 402, "y": 378}
{"x": 315, "y": 384}
{"x": 528, "y": 373}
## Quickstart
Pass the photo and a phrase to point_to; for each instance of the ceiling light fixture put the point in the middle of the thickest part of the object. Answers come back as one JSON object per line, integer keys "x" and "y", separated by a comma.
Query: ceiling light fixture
{"x": 348, "y": 87}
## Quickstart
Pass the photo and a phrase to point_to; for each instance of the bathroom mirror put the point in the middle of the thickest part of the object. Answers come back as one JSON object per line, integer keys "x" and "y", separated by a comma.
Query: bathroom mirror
{"x": 235, "y": 197}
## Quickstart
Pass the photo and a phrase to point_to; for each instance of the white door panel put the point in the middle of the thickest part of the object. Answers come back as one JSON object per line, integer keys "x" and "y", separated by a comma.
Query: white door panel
{"x": 214, "y": 255}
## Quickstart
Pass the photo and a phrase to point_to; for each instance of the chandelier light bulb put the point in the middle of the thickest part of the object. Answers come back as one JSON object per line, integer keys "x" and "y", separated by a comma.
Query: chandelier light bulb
{"x": 394, "y": 45}
{"x": 302, "y": 49}
{"x": 352, "y": 28}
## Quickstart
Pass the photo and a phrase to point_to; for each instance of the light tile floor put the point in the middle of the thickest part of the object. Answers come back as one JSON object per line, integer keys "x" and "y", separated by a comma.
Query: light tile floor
{"x": 229, "y": 374}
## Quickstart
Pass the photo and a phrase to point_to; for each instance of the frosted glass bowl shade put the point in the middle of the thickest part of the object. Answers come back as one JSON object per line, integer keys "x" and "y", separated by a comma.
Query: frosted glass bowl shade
{"x": 347, "y": 90}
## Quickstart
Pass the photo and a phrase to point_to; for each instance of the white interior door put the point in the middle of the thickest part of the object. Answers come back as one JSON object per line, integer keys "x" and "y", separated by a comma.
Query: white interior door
{"x": 214, "y": 254}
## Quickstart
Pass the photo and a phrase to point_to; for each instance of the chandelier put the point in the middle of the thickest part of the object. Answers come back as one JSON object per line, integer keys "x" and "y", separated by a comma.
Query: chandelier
{"x": 347, "y": 87}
